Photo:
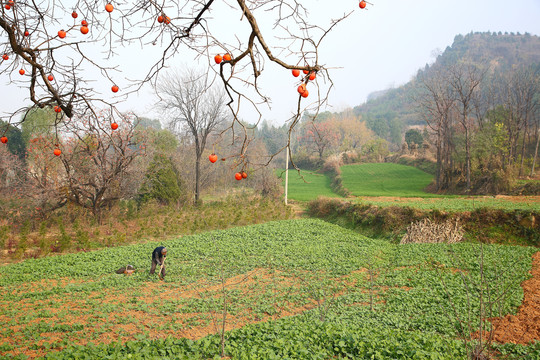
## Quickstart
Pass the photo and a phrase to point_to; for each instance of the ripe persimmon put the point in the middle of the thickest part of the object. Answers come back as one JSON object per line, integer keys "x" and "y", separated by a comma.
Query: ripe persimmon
{"x": 5, "y": 56}
{"x": 167, "y": 20}
{"x": 218, "y": 59}
{"x": 74, "y": 14}
{"x": 305, "y": 94}
{"x": 227, "y": 57}
{"x": 295, "y": 72}
{"x": 61, "y": 34}
{"x": 302, "y": 89}
{"x": 160, "y": 19}
{"x": 305, "y": 71}
{"x": 109, "y": 8}
{"x": 7, "y": 7}
{"x": 21, "y": 71}
{"x": 238, "y": 176}
{"x": 212, "y": 158}
{"x": 57, "y": 152}
{"x": 362, "y": 4}
{"x": 244, "y": 175}
{"x": 114, "y": 88}
{"x": 84, "y": 23}
{"x": 312, "y": 76}
{"x": 50, "y": 78}
{"x": 114, "y": 126}
{"x": 84, "y": 30}
{"x": 26, "y": 33}
{"x": 4, "y": 139}
{"x": 57, "y": 109}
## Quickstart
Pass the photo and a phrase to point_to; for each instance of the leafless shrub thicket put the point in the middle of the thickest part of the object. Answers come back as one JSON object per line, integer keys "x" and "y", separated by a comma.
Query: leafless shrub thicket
{"x": 427, "y": 231}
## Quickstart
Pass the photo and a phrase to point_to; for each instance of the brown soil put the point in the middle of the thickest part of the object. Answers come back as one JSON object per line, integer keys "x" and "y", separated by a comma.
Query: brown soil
{"x": 524, "y": 327}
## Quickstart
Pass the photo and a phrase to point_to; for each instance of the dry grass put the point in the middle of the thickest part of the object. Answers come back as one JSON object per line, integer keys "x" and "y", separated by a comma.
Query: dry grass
{"x": 73, "y": 230}
{"x": 427, "y": 231}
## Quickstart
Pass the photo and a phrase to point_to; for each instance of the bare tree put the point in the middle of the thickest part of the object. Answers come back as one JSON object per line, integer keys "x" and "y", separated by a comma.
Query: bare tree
{"x": 537, "y": 132}
{"x": 12, "y": 176}
{"x": 465, "y": 80}
{"x": 45, "y": 176}
{"x": 435, "y": 101}
{"x": 353, "y": 132}
{"x": 97, "y": 160}
{"x": 193, "y": 106}
{"x": 524, "y": 102}
{"x": 516, "y": 92}
{"x": 321, "y": 137}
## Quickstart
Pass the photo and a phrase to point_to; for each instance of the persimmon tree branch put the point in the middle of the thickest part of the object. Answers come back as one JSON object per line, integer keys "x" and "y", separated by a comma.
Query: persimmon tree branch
{"x": 30, "y": 36}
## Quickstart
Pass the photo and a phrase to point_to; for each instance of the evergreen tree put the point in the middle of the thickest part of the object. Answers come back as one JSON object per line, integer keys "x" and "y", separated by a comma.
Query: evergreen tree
{"x": 414, "y": 136}
{"x": 15, "y": 143}
{"x": 162, "y": 182}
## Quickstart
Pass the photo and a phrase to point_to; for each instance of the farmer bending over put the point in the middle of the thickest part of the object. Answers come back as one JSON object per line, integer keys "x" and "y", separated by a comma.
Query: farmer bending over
{"x": 158, "y": 259}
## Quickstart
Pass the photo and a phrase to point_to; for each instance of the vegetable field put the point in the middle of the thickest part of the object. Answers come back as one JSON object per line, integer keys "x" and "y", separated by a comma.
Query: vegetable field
{"x": 296, "y": 289}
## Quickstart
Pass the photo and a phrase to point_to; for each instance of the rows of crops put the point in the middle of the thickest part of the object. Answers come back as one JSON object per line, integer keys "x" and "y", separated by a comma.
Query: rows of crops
{"x": 301, "y": 289}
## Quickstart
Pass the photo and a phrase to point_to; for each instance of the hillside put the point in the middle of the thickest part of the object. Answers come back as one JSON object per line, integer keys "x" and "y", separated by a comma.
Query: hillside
{"x": 393, "y": 107}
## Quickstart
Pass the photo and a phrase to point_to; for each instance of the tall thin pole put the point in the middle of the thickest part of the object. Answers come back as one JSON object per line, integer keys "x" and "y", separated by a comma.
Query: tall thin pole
{"x": 535, "y": 153}
{"x": 286, "y": 174}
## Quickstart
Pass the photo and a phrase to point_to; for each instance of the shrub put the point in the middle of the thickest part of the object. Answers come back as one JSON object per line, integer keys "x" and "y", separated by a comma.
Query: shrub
{"x": 350, "y": 157}
{"x": 4, "y": 235}
{"x": 266, "y": 183}
{"x": 307, "y": 162}
{"x": 323, "y": 207}
{"x": 64, "y": 242}
{"x": 425, "y": 164}
{"x": 332, "y": 167}
{"x": 487, "y": 180}
{"x": 527, "y": 188}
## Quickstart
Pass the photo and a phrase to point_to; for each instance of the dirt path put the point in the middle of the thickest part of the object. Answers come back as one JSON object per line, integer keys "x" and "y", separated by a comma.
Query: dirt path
{"x": 299, "y": 210}
{"x": 524, "y": 327}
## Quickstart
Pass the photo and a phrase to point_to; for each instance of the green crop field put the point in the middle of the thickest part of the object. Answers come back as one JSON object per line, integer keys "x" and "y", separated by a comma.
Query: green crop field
{"x": 388, "y": 184}
{"x": 307, "y": 185}
{"x": 296, "y": 289}
{"x": 385, "y": 179}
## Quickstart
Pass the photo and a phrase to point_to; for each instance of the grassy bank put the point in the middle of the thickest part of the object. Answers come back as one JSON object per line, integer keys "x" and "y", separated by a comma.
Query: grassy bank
{"x": 71, "y": 230}
{"x": 484, "y": 224}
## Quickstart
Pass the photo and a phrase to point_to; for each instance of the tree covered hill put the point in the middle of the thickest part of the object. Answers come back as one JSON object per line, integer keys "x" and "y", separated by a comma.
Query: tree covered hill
{"x": 389, "y": 112}
{"x": 501, "y": 51}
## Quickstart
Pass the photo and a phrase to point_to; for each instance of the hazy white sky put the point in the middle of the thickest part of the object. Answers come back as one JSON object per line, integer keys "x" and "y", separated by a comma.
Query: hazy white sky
{"x": 371, "y": 50}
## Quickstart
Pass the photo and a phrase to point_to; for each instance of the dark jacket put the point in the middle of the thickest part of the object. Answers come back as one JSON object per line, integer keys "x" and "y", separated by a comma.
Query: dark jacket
{"x": 157, "y": 256}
